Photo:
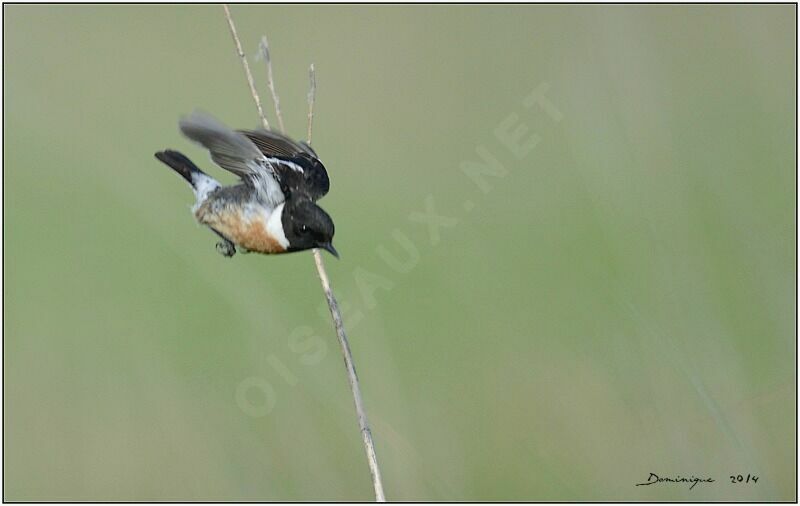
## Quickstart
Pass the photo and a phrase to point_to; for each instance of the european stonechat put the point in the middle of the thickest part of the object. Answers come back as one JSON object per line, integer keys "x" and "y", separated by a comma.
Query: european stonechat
{"x": 272, "y": 208}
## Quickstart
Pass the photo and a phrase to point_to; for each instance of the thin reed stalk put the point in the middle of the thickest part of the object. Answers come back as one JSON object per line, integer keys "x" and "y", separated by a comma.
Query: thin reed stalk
{"x": 333, "y": 305}
{"x": 263, "y": 53}
{"x": 246, "y": 66}
{"x": 312, "y": 97}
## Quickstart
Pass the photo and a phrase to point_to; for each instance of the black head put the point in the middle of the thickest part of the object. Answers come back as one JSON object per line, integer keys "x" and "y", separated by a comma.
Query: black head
{"x": 307, "y": 226}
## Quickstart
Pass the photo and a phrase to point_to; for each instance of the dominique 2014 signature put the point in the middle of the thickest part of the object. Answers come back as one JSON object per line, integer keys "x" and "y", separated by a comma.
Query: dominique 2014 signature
{"x": 694, "y": 480}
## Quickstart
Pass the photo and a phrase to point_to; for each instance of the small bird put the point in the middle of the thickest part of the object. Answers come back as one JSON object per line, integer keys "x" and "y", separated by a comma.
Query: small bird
{"x": 272, "y": 208}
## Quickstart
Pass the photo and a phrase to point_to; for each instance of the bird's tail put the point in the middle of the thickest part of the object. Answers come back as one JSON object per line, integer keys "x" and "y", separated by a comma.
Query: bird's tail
{"x": 183, "y": 166}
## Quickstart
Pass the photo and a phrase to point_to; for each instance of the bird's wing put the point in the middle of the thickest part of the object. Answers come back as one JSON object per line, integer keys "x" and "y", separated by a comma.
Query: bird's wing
{"x": 275, "y": 144}
{"x": 296, "y": 165}
{"x": 234, "y": 152}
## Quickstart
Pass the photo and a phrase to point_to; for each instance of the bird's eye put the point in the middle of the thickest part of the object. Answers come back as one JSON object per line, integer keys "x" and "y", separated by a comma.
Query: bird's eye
{"x": 304, "y": 228}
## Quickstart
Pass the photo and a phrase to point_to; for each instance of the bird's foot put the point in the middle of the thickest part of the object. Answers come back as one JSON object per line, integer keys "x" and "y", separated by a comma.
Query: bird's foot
{"x": 226, "y": 248}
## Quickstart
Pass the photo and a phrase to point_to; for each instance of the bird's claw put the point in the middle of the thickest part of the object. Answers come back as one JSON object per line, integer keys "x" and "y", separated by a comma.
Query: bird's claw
{"x": 226, "y": 248}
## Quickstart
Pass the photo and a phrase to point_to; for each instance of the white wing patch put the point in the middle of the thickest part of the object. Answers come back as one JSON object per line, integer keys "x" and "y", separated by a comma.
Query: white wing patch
{"x": 291, "y": 165}
{"x": 265, "y": 182}
{"x": 265, "y": 178}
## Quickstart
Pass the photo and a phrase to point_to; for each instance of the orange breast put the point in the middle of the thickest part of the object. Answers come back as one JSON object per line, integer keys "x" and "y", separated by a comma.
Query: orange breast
{"x": 248, "y": 231}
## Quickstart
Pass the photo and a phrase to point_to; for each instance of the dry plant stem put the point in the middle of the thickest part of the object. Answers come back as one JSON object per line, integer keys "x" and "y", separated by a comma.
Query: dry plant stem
{"x": 312, "y": 97}
{"x": 247, "y": 73}
{"x": 361, "y": 413}
{"x": 363, "y": 424}
{"x": 263, "y": 48}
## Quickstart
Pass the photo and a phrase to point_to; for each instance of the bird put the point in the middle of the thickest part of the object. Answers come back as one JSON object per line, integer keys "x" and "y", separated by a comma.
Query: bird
{"x": 272, "y": 208}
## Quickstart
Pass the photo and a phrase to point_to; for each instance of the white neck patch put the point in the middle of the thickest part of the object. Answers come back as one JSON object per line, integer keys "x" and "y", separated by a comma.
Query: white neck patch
{"x": 275, "y": 226}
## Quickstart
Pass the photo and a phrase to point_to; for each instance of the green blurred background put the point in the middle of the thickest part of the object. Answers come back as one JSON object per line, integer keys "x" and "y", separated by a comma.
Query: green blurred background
{"x": 620, "y": 302}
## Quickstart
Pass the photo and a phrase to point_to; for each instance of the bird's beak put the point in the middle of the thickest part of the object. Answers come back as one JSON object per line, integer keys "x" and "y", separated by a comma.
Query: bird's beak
{"x": 330, "y": 249}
